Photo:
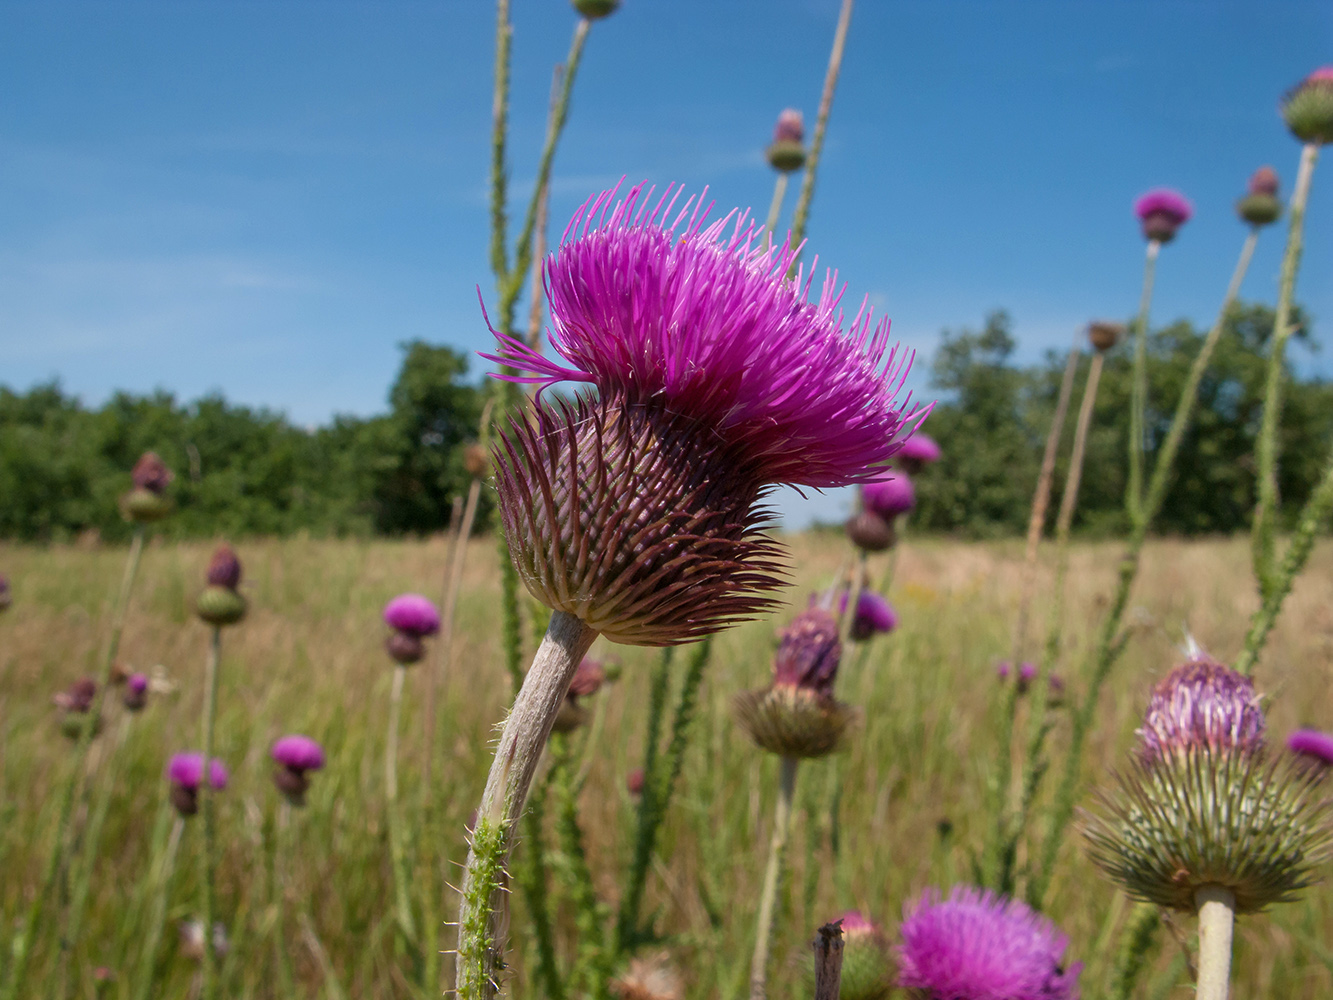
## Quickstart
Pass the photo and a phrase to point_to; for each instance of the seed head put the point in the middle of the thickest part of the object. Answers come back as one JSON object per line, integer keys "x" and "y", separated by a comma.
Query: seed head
{"x": 870, "y": 532}
{"x": 1104, "y": 335}
{"x": 787, "y": 152}
{"x": 1308, "y": 107}
{"x": 890, "y": 496}
{"x": 1162, "y": 212}
{"x": 413, "y": 614}
{"x": 976, "y": 945}
{"x": 1202, "y": 703}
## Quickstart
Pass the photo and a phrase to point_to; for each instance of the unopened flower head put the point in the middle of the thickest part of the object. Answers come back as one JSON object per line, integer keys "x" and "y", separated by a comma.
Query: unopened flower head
{"x": 874, "y": 615}
{"x": 976, "y": 945}
{"x": 148, "y": 501}
{"x": 918, "y": 451}
{"x": 1312, "y": 747}
{"x": 1202, "y": 703}
{"x": 221, "y": 603}
{"x": 868, "y": 531}
{"x": 224, "y": 569}
{"x": 1105, "y": 334}
{"x": 295, "y": 755}
{"x": 1162, "y": 212}
{"x": 135, "y": 696}
{"x": 787, "y": 151}
{"x": 1260, "y": 206}
{"x": 413, "y": 614}
{"x": 595, "y": 9}
{"x": 890, "y": 496}
{"x": 78, "y": 697}
{"x": 867, "y": 959}
{"x": 638, "y": 509}
{"x": 1308, "y": 107}
{"x": 185, "y": 771}
{"x": 151, "y": 473}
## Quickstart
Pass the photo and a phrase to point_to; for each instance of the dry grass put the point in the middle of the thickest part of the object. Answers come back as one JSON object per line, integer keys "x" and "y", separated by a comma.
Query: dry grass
{"x": 308, "y": 659}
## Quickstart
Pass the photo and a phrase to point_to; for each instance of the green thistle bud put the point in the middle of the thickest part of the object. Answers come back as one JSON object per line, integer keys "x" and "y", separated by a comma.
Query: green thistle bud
{"x": 1261, "y": 206}
{"x": 787, "y": 151}
{"x": 143, "y": 506}
{"x": 793, "y": 721}
{"x": 220, "y": 606}
{"x": 867, "y": 960}
{"x": 595, "y": 9}
{"x": 1308, "y": 107}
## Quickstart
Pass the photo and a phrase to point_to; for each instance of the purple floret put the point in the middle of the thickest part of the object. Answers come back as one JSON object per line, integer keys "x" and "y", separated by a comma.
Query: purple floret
{"x": 657, "y": 307}
{"x": 1169, "y": 204}
{"x": 1202, "y": 703}
{"x": 890, "y": 496}
{"x": 300, "y": 753}
{"x": 1312, "y": 744}
{"x": 413, "y": 614}
{"x": 790, "y": 127}
{"x": 976, "y": 945}
{"x": 809, "y": 653}
{"x": 873, "y": 614}
{"x": 187, "y": 770}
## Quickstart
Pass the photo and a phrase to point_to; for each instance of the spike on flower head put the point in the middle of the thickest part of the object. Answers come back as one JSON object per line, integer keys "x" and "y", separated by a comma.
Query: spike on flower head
{"x": 1162, "y": 211}
{"x": 1308, "y": 107}
{"x": 890, "y": 496}
{"x": 976, "y": 945}
{"x": 874, "y": 615}
{"x": 151, "y": 473}
{"x": 1202, "y": 703}
{"x": 412, "y": 614}
{"x": 809, "y": 652}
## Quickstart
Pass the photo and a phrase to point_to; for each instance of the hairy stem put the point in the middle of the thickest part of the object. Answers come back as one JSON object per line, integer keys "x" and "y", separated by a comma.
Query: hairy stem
{"x": 1139, "y": 389}
{"x": 532, "y": 879}
{"x": 504, "y": 36}
{"x": 162, "y": 884}
{"x": 1140, "y": 929}
{"x": 775, "y": 207}
{"x": 594, "y": 964}
{"x": 21, "y": 945}
{"x": 482, "y": 911}
{"x": 206, "y": 811}
{"x": 1265, "y": 511}
{"x": 777, "y": 851}
{"x": 1217, "y": 916}
{"x": 397, "y": 846}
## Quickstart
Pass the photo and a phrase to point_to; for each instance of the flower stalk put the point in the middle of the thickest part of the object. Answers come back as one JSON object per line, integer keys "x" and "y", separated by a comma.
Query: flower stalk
{"x": 206, "y": 810}
{"x": 1139, "y": 389}
{"x": 158, "y": 918}
{"x": 1217, "y": 916}
{"x": 777, "y": 852}
{"x": 397, "y": 845}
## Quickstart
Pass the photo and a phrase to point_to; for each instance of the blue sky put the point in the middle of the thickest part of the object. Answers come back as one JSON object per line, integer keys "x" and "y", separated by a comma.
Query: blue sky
{"x": 265, "y": 198}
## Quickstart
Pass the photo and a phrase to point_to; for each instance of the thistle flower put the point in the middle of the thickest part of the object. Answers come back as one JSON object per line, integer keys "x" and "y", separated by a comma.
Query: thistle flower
{"x": 588, "y": 679}
{"x": 867, "y": 959}
{"x": 889, "y": 497}
{"x": 1313, "y": 748}
{"x": 295, "y": 755}
{"x": 78, "y": 697}
{"x": 6, "y": 595}
{"x": 594, "y": 10}
{"x": 916, "y": 453}
{"x": 1027, "y": 673}
{"x": 1104, "y": 335}
{"x": 976, "y": 945}
{"x": 638, "y": 511}
{"x": 1308, "y": 107}
{"x": 411, "y": 617}
{"x": 1260, "y": 206}
{"x": 220, "y": 603}
{"x": 1162, "y": 212}
{"x": 135, "y": 696}
{"x": 870, "y": 532}
{"x": 185, "y": 771}
{"x": 634, "y": 781}
{"x": 797, "y": 716}
{"x": 1202, "y": 806}
{"x": 874, "y": 615}
{"x": 787, "y": 151}
{"x": 148, "y": 500}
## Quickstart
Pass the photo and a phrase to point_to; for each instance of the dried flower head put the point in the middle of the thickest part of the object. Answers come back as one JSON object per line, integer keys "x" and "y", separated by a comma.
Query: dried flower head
{"x": 135, "y": 695}
{"x": 890, "y": 496}
{"x": 1261, "y": 206}
{"x": 1308, "y": 107}
{"x": 1313, "y": 748}
{"x": 874, "y": 615}
{"x": 413, "y": 614}
{"x": 1104, "y": 334}
{"x": 1162, "y": 212}
{"x": 638, "y": 511}
{"x": 651, "y": 978}
{"x": 976, "y": 945}
{"x": 787, "y": 151}
{"x": 867, "y": 959}
{"x": 868, "y": 531}
{"x": 1201, "y": 703}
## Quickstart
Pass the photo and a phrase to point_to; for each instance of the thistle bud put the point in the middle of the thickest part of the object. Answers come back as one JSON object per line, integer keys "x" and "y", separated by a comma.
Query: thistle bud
{"x": 1260, "y": 206}
{"x": 185, "y": 771}
{"x": 6, "y": 595}
{"x": 874, "y": 615}
{"x": 1308, "y": 107}
{"x": 135, "y": 696}
{"x": 787, "y": 151}
{"x": 148, "y": 501}
{"x": 870, "y": 532}
{"x": 1162, "y": 212}
{"x": 1104, "y": 335}
{"x": 220, "y": 603}
{"x": 867, "y": 959}
{"x": 634, "y": 782}
{"x": 295, "y": 755}
{"x": 889, "y": 497}
{"x": 594, "y": 10}
{"x": 405, "y": 648}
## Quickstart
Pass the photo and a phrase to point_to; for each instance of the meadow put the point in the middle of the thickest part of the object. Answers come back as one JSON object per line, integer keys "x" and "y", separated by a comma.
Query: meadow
{"x": 309, "y": 658}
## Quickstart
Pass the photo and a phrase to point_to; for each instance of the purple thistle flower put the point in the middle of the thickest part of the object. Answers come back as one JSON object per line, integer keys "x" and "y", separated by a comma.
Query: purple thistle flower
{"x": 136, "y": 692}
{"x": 187, "y": 770}
{"x": 1313, "y": 746}
{"x": 917, "y": 452}
{"x": 1308, "y": 107}
{"x": 1162, "y": 211}
{"x": 890, "y": 496}
{"x": 874, "y": 614}
{"x": 588, "y": 678}
{"x": 6, "y": 595}
{"x": 413, "y": 614}
{"x": 299, "y": 753}
{"x": 976, "y": 945}
{"x": 78, "y": 697}
{"x": 655, "y": 308}
{"x": 854, "y": 922}
{"x": 1201, "y": 703}
{"x": 151, "y": 473}
{"x": 790, "y": 127}
{"x": 808, "y": 653}
{"x": 1264, "y": 181}
{"x": 224, "y": 569}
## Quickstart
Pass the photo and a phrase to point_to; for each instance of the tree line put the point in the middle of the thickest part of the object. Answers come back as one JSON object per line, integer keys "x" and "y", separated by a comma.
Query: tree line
{"x": 245, "y": 471}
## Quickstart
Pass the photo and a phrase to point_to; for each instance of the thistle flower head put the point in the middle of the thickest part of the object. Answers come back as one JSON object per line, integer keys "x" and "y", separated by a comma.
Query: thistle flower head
{"x": 135, "y": 696}
{"x": 917, "y": 451}
{"x": 890, "y": 496}
{"x": 300, "y": 753}
{"x": 187, "y": 770}
{"x": 870, "y": 532}
{"x": 1162, "y": 211}
{"x": 6, "y": 595}
{"x": 790, "y": 126}
{"x": 412, "y": 614}
{"x": 151, "y": 473}
{"x": 1260, "y": 206}
{"x": 787, "y": 151}
{"x": 404, "y": 648}
{"x": 224, "y": 569}
{"x": 1104, "y": 334}
{"x": 148, "y": 501}
{"x": 808, "y": 653}
{"x": 1308, "y": 107}
{"x": 589, "y": 676}
{"x": 78, "y": 697}
{"x": 976, "y": 945}
{"x": 1201, "y": 703}
{"x": 874, "y": 615}
{"x": 867, "y": 959}
{"x": 594, "y": 10}
{"x": 1263, "y": 181}
{"x": 220, "y": 603}
{"x": 1027, "y": 673}
{"x": 1312, "y": 747}
{"x": 634, "y": 781}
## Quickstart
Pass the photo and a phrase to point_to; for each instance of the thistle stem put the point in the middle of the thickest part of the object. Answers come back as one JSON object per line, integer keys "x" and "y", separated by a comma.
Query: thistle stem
{"x": 775, "y": 207}
{"x": 280, "y": 849}
{"x": 504, "y": 36}
{"x": 158, "y": 919}
{"x": 801, "y": 215}
{"x": 777, "y": 851}
{"x": 1265, "y": 511}
{"x": 1139, "y": 388}
{"x": 520, "y": 748}
{"x": 21, "y": 945}
{"x": 397, "y": 849}
{"x": 1217, "y": 916}
{"x": 206, "y": 806}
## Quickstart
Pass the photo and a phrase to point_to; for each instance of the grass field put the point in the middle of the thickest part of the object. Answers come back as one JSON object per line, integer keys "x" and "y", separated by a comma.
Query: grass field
{"x": 309, "y": 659}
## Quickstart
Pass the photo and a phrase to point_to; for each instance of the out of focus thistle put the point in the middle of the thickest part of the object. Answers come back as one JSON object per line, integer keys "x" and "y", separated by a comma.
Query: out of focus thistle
{"x": 295, "y": 756}
{"x": 1162, "y": 212}
{"x": 587, "y": 681}
{"x": 135, "y": 695}
{"x": 916, "y": 453}
{"x": 873, "y": 528}
{"x": 412, "y": 618}
{"x": 75, "y": 703}
{"x": 977, "y": 945}
{"x": 221, "y": 603}
{"x": 185, "y": 772}
{"x": 1204, "y": 819}
{"x": 1104, "y": 334}
{"x": 1261, "y": 206}
{"x": 787, "y": 150}
{"x": 874, "y": 615}
{"x": 1308, "y": 108}
{"x": 148, "y": 500}
{"x": 1313, "y": 749}
{"x": 6, "y": 594}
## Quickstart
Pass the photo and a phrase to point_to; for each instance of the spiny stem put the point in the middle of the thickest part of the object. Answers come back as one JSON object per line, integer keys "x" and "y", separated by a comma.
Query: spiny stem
{"x": 777, "y": 850}
{"x": 594, "y": 964}
{"x": 532, "y": 879}
{"x": 1140, "y": 929}
{"x": 1265, "y": 511}
{"x": 206, "y": 807}
{"x": 802, "y": 213}
{"x": 504, "y": 34}
{"x": 1217, "y": 916}
{"x": 1139, "y": 388}
{"x": 162, "y": 878}
{"x": 21, "y": 945}
{"x": 521, "y": 743}
{"x": 397, "y": 847}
